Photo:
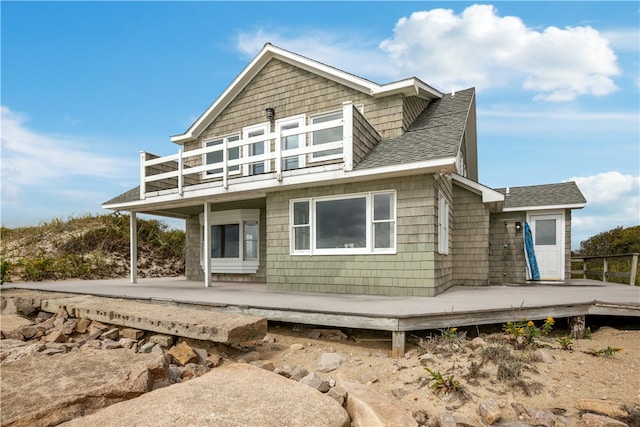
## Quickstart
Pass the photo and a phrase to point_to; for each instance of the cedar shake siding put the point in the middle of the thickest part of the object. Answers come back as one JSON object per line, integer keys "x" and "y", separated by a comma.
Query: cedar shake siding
{"x": 411, "y": 271}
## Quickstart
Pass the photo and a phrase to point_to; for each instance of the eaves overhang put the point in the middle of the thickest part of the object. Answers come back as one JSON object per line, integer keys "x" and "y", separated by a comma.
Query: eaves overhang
{"x": 544, "y": 207}
{"x": 489, "y": 195}
{"x": 407, "y": 87}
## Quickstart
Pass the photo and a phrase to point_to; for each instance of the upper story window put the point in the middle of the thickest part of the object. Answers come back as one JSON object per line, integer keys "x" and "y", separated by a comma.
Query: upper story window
{"x": 326, "y": 136}
{"x": 256, "y": 148}
{"x": 292, "y": 142}
{"x": 218, "y": 156}
{"x": 443, "y": 224}
{"x": 348, "y": 224}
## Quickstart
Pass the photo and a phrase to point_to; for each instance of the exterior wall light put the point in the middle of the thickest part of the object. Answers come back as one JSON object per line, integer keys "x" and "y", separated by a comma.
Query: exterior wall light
{"x": 518, "y": 226}
{"x": 271, "y": 113}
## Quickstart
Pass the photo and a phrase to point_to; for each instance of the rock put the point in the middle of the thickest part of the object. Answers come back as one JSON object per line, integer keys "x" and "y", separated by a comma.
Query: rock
{"x": 45, "y": 325}
{"x": 259, "y": 398}
{"x": 296, "y": 347}
{"x": 56, "y": 336}
{"x": 162, "y": 340}
{"x": 12, "y": 350}
{"x": 368, "y": 377}
{"x": 28, "y": 331}
{"x": 295, "y": 373}
{"x": 82, "y": 325}
{"x": 146, "y": 348}
{"x": 132, "y": 334}
{"x": 314, "y": 381}
{"x": 490, "y": 411}
{"x": 609, "y": 408}
{"x": 543, "y": 355}
{"x": 202, "y": 355}
{"x": 109, "y": 344}
{"x": 183, "y": 353}
{"x": 127, "y": 343}
{"x": 399, "y": 393}
{"x": 214, "y": 360}
{"x": 421, "y": 417}
{"x": 69, "y": 326}
{"x": 478, "y": 342}
{"x": 329, "y": 362}
{"x": 77, "y": 383}
{"x": 369, "y": 408}
{"x": 263, "y": 364}
{"x": 111, "y": 334}
{"x": 593, "y": 420}
{"x": 61, "y": 313}
{"x": 427, "y": 359}
{"x": 542, "y": 418}
{"x": 447, "y": 420}
{"x": 338, "y": 394}
{"x": 10, "y": 325}
{"x": 329, "y": 334}
{"x": 16, "y": 306}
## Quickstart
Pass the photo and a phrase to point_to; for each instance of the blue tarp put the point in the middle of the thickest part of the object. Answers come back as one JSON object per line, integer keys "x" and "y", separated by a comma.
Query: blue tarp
{"x": 532, "y": 265}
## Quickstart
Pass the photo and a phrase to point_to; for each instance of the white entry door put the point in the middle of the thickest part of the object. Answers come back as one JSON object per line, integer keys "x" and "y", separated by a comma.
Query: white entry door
{"x": 548, "y": 244}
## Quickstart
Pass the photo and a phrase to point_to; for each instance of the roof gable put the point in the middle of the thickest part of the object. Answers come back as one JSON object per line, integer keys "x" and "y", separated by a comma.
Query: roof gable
{"x": 408, "y": 87}
{"x": 435, "y": 134}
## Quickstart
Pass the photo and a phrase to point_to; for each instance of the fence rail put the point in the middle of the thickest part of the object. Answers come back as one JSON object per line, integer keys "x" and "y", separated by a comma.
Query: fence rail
{"x": 599, "y": 267}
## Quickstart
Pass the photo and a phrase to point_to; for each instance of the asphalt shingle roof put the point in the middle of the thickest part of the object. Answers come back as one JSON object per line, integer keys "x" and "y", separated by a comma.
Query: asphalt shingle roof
{"x": 564, "y": 193}
{"x": 435, "y": 134}
{"x": 132, "y": 195}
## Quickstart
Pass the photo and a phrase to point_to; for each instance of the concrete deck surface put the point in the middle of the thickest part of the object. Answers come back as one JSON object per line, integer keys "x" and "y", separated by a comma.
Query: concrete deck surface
{"x": 456, "y": 300}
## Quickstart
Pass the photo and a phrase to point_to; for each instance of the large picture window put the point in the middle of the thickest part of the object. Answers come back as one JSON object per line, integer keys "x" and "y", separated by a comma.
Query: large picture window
{"x": 361, "y": 223}
{"x": 234, "y": 240}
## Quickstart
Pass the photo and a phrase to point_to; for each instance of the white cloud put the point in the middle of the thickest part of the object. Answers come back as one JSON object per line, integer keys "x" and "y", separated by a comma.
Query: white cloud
{"x": 33, "y": 160}
{"x": 479, "y": 48}
{"x": 613, "y": 199}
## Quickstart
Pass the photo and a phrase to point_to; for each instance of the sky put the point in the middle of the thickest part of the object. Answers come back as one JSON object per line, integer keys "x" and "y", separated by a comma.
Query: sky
{"x": 85, "y": 86}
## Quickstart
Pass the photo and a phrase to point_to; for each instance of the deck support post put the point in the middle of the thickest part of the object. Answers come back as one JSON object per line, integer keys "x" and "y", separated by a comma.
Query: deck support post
{"x": 206, "y": 256}
{"x": 133, "y": 246}
{"x": 577, "y": 326}
{"x": 397, "y": 344}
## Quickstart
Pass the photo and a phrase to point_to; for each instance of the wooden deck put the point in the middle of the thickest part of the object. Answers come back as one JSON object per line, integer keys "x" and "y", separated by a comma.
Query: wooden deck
{"x": 458, "y": 306}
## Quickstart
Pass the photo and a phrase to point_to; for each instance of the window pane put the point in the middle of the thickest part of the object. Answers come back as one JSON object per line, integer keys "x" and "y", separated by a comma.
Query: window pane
{"x": 301, "y": 238}
{"x": 226, "y": 241}
{"x": 327, "y": 135}
{"x": 383, "y": 234}
{"x": 382, "y": 207}
{"x": 546, "y": 232}
{"x": 341, "y": 223}
{"x": 300, "y": 213}
{"x": 251, "y": 240}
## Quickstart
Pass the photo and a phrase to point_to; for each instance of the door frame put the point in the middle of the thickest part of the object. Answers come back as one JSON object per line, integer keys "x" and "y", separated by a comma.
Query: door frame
{"x": 560, "y": 239}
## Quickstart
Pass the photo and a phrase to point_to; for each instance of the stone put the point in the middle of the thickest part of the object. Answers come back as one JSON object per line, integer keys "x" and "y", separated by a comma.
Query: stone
{"x": 111, "y": 334}
{"x": 146, "y": 348}
{"x": 421, "y": 417}
{"x": 69, "y": 326}
{"x": 61, "y": 313}
{"x": 338, "y": 394}
{"x": 127, "y": 343}
{"x": 489, "y": 410}
{"x": 45, "y": 325}
{"x": 98, "y": 325}
{"x": 56, "y": 336}
{"x": 314, "y": 381}
{"x": 16, "y": 306}
{"x": 369, "y": 408}
{"x": 609, "y": 408}
{"x": 594, "y": 420}
{"x": 263, "y": 364}
{"x": 12, "y": 350}
{"x": 82, "y": 325}
{"x": 77, "y": 383}
{"x": 183, "y": 353}
{"x": 132, "y": 334}
{"x": 447, "y": 420}
{"x": 399, "y": 393}
{"x": 202, "y": 354}
{"x": 540, "y": 417}
{"x": 330, "y": 362}
{"x": 28, "y": 331}
{"x": 109, "y": 344}
{"x": 10, "y": 325}
{"x": 543, "y": 355}
{"x": 162, "y": 340}
{"x": 214, "y": 360}
{"x": 296, "y": 347}
{"x": 260, "y": 398}
{"x": 295, "y": 373}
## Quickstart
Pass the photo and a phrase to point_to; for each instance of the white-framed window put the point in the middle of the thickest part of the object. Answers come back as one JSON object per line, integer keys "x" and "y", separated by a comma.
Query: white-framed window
{"x": 347, "y": 224}
{"x": 235, "y": 241}
{"x": 218, "y": 155}
{"x": 443, "y": 224}
{"x": 292, "y": 142}
{"x": 256, "y": 149}
{"x": 325, "y": 136}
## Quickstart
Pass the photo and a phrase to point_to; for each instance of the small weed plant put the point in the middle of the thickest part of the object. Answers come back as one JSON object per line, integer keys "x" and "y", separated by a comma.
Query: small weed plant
{"x": 566, "y": 342}
{"x": 609, "y": 352}
{"x": 440, "y": 384}
{"x": 524, "y": 332}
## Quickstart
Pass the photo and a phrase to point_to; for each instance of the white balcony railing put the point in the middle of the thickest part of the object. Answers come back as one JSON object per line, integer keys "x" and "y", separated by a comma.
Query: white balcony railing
{"x": 177, "y": 171}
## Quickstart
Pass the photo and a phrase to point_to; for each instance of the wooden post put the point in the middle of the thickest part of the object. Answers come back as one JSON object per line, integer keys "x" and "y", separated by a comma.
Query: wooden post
{"x": 577, "y": 327}
{"x": 180, "y": 172}
{"x": 206, "y": 256}
{"x": 605, "y": 268}
{"x": 634, "y": 270}
{"x": 133, "y": 246}
{"x": 397, "y": 344}
{"x": 584, "y": 268}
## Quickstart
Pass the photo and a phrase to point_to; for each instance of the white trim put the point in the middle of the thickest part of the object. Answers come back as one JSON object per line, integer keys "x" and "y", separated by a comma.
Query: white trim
{"x": 133, "y": 246}
{"x": 488, "y": 195}
{"x": 560, "y": 236}
{"x": 224, "y": 149}
{"x": 299, "y": 121}
{"x": 544, "y": 208}
{"x": 266, "y": 128}
{"x": 408, "y": 87}
{"x": 314, "y": 158}
{"x": 443, "y": 224}
{"x": 368, "y": 249}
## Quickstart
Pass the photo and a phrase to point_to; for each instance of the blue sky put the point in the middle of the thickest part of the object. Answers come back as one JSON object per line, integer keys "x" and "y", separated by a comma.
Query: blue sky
{"x": 86, "y": 85}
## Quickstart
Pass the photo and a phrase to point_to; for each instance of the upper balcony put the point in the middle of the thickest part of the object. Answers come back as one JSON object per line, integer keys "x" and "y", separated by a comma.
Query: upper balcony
{"x": 262, "y": 152}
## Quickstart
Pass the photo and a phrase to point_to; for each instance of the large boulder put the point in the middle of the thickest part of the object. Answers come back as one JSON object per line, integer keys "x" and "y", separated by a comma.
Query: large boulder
{"x": 231, "y": 395}
{"x": 47, "y": 390}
